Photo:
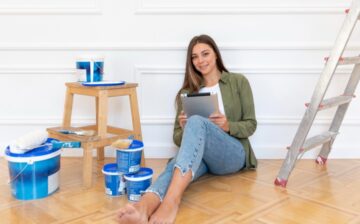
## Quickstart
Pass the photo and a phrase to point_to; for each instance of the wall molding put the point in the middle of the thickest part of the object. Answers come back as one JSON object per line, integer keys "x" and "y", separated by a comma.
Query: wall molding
{"x": 167, "y": 121}
{"x": 161, "y": 70}
{"x": 49, "y": 9}
{"x": 43, "y": 121}
{"x": 269, "y": 120}
{"x": 170, "y": 46}
{"x": 140, "y": 71}
{"x": 36, "y": 70}
{"x": 169, "y": 8}
{"x": 161, "y": 151}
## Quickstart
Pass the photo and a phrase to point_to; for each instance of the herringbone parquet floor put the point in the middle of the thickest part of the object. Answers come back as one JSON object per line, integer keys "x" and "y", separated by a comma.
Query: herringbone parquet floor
{"x": 314, "y": 194}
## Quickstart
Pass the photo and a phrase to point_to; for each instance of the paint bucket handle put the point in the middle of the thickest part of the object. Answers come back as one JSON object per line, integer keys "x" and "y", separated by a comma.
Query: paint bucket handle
{"x": 12, "y": 180}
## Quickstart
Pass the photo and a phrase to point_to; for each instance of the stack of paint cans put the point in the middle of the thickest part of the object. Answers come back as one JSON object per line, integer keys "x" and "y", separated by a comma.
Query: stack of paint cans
{"x": 126, "y": 176}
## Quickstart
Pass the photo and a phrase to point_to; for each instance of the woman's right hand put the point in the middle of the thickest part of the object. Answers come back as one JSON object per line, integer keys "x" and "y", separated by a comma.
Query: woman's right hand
{"x": 182, "y": 119}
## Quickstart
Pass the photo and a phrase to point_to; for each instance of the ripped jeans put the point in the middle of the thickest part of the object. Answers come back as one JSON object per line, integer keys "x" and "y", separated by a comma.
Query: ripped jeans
{"x": 204, "y": 148}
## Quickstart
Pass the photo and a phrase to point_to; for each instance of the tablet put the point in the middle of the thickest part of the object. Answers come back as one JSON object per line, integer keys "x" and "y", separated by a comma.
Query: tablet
{"x": 202, "y": 104}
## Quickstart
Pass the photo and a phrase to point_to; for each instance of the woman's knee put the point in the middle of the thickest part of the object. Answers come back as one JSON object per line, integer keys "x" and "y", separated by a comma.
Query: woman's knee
{"x": 226, "y": 171}
{"x": 195, "y": 120}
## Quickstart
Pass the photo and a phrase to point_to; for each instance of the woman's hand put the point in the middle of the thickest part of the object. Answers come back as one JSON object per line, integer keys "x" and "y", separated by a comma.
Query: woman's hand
{"x": 220, "y": 120}
{"x": 182, "y": 119}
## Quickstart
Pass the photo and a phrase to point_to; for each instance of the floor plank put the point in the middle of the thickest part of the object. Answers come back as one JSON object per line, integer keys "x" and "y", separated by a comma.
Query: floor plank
{"x": 315, "y": 194}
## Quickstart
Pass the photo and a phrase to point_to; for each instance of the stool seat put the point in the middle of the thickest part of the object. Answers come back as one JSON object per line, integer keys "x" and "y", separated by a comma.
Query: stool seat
{"x": 104, "y": 135}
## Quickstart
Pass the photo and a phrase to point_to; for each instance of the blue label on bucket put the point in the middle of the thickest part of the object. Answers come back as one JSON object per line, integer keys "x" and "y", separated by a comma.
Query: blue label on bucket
{"x": 98, "y": 70}
{"x": 114, "y": 185}
{"x": 114, "y": 180}
{"x": 34, "y": 181}
{"x": 128, "y": 160}
{"x": 136, "y": 184}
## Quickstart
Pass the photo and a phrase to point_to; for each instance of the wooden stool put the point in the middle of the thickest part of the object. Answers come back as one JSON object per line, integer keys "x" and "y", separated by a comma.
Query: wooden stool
{"x": 105, "y": 134}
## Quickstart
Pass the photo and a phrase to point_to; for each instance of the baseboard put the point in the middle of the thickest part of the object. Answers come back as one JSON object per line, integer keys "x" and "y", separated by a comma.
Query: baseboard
{"x": 262, "y": 152}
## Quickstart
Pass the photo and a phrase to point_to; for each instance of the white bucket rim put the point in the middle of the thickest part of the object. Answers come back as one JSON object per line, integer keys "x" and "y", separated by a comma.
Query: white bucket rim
{"x": 30, "y": 160}
{"x": 136, "y": 179}
{"x": 111, "y": 169}
{"x": 128, "y": 150}
{"x": 112, "y": 173}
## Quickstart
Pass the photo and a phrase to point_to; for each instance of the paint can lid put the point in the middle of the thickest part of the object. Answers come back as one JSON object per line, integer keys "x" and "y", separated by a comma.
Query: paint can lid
{"x": 143, "y": 173}
{"x": 42, "y": 150}
{"x": 111, "y": 169}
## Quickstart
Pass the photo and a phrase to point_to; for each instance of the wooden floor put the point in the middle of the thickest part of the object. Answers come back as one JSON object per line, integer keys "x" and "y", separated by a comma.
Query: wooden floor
{"x": 314, "y": 194}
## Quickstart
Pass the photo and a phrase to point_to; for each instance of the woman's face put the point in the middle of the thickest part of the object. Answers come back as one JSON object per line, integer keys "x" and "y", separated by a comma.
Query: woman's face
{"x": 204, "y": 59}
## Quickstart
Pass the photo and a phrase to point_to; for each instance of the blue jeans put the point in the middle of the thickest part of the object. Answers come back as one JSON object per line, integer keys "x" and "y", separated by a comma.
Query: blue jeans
{"x": 204, "y": 148}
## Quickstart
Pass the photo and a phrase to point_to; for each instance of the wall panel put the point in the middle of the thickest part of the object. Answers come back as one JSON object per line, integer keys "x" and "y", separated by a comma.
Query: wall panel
{"x": 278, "y": 45}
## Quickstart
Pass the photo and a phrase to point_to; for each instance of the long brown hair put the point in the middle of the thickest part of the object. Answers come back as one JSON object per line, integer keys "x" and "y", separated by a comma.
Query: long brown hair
{"x": 193, "y": 78}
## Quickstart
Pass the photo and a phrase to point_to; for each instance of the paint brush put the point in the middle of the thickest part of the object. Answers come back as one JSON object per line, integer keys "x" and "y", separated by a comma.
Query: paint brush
{"x": 80, "y": 132}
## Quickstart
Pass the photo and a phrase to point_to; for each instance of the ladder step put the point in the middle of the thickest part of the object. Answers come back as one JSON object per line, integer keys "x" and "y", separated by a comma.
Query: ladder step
{"x": 347, "y": 60}
{"x": 318, "y": 140}
{"x": 333, "y": 102}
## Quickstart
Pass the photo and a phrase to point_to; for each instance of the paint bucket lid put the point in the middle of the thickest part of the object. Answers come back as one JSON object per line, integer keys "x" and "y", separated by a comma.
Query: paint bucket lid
{"x": 136, "y": 145}
{"x": 143, "y": 174}
{"x": 111, "y": 169}
{"x": 42, "y": 150}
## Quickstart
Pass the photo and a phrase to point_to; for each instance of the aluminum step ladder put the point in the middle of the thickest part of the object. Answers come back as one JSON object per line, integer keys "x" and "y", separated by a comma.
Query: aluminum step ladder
{"x": 300, "y": 144}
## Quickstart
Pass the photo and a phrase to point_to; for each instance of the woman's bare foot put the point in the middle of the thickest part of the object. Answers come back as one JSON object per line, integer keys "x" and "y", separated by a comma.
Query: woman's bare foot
{"x": 166, "y": 213}
{"x": 132, "y": 214}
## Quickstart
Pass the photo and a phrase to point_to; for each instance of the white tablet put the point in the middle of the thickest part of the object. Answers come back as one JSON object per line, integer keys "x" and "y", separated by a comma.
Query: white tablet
{"x": 202, "y": 104}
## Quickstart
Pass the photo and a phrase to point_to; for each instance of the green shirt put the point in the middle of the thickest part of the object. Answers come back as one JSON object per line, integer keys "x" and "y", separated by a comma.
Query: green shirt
{"x": 239, "y": 111}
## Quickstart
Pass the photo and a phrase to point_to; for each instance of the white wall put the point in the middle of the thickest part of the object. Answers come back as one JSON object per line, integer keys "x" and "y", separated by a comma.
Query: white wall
{"x": 278, "y": 45}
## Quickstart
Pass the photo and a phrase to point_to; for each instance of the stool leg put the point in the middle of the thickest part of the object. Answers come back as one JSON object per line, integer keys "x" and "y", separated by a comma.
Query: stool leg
{"x": 100, "y": 153}
{"x": 136, "y": 120}
{"x": 101, "y": 120}
{"x": 68, "y": 108}
{"x": 87, "y": 166}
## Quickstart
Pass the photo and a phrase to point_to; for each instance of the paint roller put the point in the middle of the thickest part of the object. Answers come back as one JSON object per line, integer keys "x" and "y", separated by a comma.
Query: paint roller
{"x": 38, "y": 138}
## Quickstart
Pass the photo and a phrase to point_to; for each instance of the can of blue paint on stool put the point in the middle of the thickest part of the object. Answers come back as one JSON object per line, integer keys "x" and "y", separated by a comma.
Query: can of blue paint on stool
{"x": 34, "y": 174}
{"x": 128, "y": 160}
{"x": 137, "y": 183}
{"x": 114, "y": 180}
{"x": 92, "y": 67}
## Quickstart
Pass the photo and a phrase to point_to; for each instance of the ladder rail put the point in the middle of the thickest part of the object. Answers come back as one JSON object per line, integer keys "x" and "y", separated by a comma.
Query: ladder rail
{"x": 319, "y": 93}
{"x": 341, "y": 111}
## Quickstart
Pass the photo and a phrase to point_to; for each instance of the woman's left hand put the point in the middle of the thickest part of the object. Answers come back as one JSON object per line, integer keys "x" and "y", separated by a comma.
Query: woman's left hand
{"x": 220, "y": 120}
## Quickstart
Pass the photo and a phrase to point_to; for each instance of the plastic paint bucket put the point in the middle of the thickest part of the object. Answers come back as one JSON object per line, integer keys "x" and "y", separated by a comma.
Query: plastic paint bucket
{"x": 34, "y": 174}
{"x": 94, "y": 67}
{"x": 114, "y": 180}
{"x": 138, "y": 182}
{"x": 128, "y": 160}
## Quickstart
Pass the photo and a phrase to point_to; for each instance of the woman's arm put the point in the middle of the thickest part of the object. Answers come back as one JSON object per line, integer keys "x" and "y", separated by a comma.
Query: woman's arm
{"x": 178, "y": 131}
{"x": 247, "y": 125}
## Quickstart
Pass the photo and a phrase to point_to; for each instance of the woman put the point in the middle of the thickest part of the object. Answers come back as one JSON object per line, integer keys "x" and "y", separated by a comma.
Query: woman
{"x": 218, "y": 144}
